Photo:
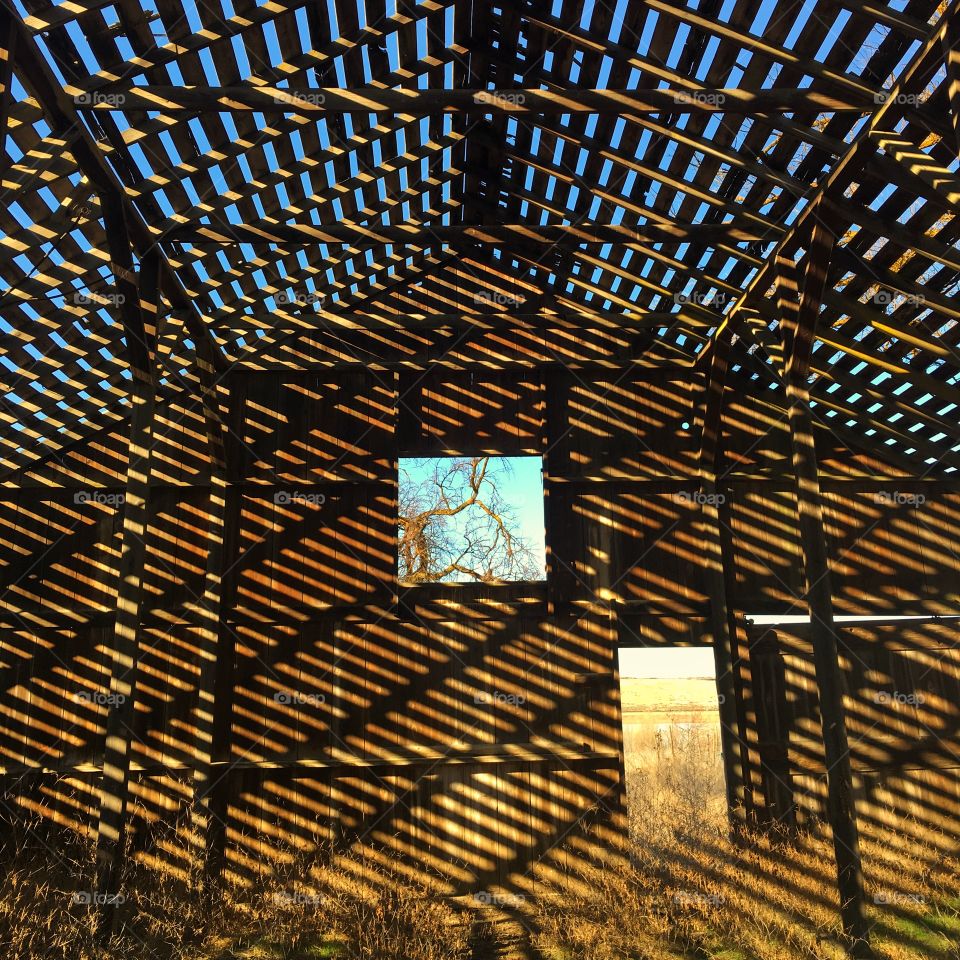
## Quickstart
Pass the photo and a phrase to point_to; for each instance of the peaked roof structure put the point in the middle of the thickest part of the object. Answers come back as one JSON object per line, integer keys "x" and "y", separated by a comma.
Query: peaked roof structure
{"x": 314, "y": 185}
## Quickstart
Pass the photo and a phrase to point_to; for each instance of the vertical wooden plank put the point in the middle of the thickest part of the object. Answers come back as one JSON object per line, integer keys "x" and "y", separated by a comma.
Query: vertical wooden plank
{"x": 798, "y": 302}
{"x": 556, "y": 464}
{"x": 212, "y": 710}
{"x": 756, "y": 798}
{"x": 210, "y": 631}
{"x": 717, "y": 571}
{"x": 773, "y": 727}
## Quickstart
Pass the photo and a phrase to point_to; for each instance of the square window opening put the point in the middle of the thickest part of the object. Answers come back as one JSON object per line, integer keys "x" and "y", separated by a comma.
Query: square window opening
{"x": 476, "y": 519}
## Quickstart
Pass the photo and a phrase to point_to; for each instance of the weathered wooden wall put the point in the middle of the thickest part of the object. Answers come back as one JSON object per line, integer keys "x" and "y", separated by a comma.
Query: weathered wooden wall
{"x": 465, "y": 727}
{"x": 892, "y": 539}
{"x": 903, "y": 718}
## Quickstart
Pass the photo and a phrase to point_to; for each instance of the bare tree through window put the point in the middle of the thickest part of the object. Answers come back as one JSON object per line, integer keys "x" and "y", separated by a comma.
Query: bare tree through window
{"x": 466, "y": 519}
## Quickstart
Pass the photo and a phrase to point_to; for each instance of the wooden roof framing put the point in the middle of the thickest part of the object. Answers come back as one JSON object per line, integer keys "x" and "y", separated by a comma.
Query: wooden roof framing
{"x": 306, "y": 176}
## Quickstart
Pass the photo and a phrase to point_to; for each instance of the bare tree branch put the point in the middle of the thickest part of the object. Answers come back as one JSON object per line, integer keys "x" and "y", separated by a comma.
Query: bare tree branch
{"x": 456, "y": 523}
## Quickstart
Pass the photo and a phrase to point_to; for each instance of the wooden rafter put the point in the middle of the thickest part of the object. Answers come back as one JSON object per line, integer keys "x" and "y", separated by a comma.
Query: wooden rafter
{"x": 354, "y": 234}
{"x": 323, "y": 100}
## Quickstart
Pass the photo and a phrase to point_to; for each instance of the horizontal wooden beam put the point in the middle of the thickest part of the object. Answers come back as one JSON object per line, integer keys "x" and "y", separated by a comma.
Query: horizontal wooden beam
{"x": 350, "y": 233}
{"x": 466, "y": 364}
{"x": 911, "y": 27}
{"x": 46, "y": 20}
{"x": 75, "y": 494}
{"x": 903, "y": 234}
{"x": 629, "y": 57}
{"x": 320, "y": 100}
{"x": 486, "y": 753}
{"x": 80, "y": 495}
{"x": 323, "y": 321}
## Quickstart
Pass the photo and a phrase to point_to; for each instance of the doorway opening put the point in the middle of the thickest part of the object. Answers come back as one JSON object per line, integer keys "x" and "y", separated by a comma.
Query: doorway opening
{"x": 671, "y": 734}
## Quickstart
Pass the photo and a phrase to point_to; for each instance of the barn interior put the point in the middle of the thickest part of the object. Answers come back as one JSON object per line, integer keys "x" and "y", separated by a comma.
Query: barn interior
{"x": 699, "y": 258}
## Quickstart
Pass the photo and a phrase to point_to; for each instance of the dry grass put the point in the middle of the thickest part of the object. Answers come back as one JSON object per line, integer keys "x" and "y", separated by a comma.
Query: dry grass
{"x": 297, "y": 909}
{"x": 678, "y": 889}
{"x": 683, "y": 889}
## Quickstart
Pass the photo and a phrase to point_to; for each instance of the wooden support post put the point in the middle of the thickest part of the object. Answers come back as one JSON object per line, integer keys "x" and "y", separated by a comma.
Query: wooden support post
{"x": 208, "y": 787}
{"x": 141, "y": 329}
{"x": 209, "y": 632}
{"x": 140, "y": 348}
{"x": 134, "y": 291}
{"x": 112, "y": 819}
{"x": 798, "y": 301}
{"x": 716, "y": 572}
{"x": 140, "y": 313}
{"x": 556, "y": 463}
{"x": 755, "y": 784}
{"x": 111, "y": 832}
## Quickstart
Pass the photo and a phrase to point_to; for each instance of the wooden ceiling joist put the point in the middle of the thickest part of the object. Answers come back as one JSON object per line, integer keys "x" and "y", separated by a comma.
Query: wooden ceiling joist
{"x": 323, "y": 100}
{"x": 582, "y": 234}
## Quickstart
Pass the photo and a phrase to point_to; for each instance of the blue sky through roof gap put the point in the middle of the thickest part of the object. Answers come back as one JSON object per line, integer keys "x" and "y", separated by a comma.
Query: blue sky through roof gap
{"x": 230, "y": 126}
{"x": 421, "y": 38}
{"x": 124, "y": 47}
{"x": 882, "y": 197}
{"x": 240, "y": 54}
{"x": 706, "y": 61}
{"x": 799, "y": 24}
{"x": 83, "y": 47}
{"x": 833, "y": 34}
{"x": 273, "y": 45}
{"x": 208, "y": 66}
{"x": 616, "y": 25}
